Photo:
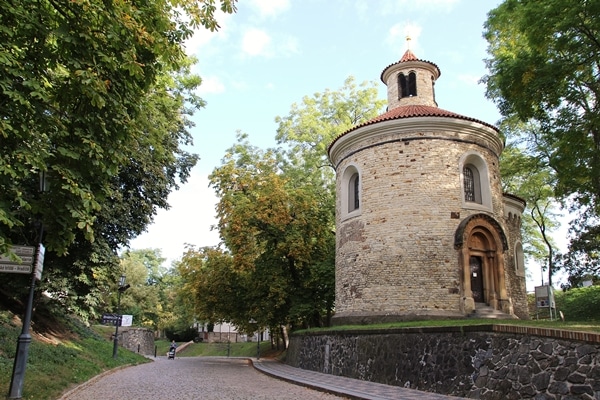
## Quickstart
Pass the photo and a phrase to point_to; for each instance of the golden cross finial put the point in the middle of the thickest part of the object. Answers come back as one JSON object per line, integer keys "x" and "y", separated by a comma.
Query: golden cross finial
{"x": 408, "y": 42}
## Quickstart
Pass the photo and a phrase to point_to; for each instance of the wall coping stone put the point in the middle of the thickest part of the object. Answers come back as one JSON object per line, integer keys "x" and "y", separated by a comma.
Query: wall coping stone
{"x": 589, "y": 337}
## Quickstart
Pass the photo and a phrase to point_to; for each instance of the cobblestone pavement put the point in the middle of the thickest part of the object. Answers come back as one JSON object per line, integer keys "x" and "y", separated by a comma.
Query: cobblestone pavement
{"x": 192, "y": 378}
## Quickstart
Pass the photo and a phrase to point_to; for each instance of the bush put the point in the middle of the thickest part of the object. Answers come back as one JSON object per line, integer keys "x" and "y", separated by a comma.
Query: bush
{"x": 581, "y": 304}
{"x": 181, "y": 335}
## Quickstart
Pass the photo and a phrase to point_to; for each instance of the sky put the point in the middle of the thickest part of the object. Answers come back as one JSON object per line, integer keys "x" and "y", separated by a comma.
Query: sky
{"x": 272, "y": 53}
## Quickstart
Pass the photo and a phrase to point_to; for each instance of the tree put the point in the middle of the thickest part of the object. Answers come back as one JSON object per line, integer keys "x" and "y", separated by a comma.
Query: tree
{"x": 97, "y": 96}
{"x": 544, "y": 68}
{"x": 212, "y": 289}
{"x": 144, "y": 272}
{"x": 276, "y": 229}
{"x": 276, "y": 216}
{"x": 525, "y": 174}
{"x": 311, "y": 126}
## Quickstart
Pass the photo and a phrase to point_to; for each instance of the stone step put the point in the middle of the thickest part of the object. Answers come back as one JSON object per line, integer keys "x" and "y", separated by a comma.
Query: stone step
{"x": 484, "y": 311}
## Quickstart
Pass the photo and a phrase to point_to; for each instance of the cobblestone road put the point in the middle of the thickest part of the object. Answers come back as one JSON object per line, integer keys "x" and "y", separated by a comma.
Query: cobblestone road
{"x": 192, "y": 378}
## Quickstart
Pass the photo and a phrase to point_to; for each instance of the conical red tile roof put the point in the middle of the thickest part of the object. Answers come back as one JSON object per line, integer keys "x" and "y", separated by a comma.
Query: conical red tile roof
{"x": 409, "y": 56}
{"x": 412, "y": 111}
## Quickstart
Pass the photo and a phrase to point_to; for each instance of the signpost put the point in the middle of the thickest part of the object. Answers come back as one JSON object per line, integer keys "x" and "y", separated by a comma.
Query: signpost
{"x": 25, "y": 253}
{"x": 8, "y": 264}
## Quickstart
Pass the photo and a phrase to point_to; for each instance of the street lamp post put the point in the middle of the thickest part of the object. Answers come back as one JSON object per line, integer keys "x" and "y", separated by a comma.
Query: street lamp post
{"x": 253, "y": 321}
{"x": 24, "y": 340}
{"x": 257, "y": 344}
{"x": 122, "y": 288}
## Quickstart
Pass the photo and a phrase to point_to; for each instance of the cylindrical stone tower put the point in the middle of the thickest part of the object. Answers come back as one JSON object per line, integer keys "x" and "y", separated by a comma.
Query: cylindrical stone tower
{"x": 422, "y": 225}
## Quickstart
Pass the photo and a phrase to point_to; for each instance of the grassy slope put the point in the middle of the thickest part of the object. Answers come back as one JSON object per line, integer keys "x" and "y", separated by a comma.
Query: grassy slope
{"x": 59, "y": 358}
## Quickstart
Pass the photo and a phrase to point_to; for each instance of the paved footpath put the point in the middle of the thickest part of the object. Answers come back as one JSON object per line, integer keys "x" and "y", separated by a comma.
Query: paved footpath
{"x": 191, "y": 378}
{"x": 224, "y": 378}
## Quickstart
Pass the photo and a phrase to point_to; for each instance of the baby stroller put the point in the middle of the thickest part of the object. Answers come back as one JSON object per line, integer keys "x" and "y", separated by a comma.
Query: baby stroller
{"x": 172, "y": 353}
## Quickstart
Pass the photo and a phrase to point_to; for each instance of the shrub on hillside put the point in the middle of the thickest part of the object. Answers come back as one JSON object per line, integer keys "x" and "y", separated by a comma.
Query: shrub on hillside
{"x": 581, "y": 304}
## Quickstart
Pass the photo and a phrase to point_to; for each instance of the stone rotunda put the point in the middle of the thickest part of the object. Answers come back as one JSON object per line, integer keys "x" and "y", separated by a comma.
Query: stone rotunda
{"x": 423, "y": 228}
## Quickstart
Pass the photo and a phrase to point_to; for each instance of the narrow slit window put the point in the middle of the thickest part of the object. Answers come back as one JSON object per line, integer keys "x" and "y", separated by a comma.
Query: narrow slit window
{"x": 469, "y": 184}
{"x": 353, "y": 193}
{"x": 403, "y": 86}
{"x": 412, "y": 84}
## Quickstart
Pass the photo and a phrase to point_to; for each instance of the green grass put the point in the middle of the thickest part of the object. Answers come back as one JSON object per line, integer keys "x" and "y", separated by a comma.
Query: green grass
{"x": 587, "y": 326}
{"x": 203, "y": 349}
{"x": 52, "y": 369}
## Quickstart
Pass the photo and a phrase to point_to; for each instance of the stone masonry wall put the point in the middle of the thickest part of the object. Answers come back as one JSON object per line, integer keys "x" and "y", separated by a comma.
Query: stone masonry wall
{"x": 138, "y": 340}
{"x": 480, "y": 362}
{"x": 398, "y": 255}
{"x": 516, "y": 285}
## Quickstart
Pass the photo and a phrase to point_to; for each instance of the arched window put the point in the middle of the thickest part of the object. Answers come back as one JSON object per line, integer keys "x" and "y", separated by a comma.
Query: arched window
{"x": 412, "y": 84}
{"x": 350, "y": 204}
{"x": 353, "y": 194}
{"x": 472, "y": 184}
{"x": 407, "y": 87}
{"x": 475, "y": 182}
{"x": 403, "y": 86}
{"x": 519, "y": 260}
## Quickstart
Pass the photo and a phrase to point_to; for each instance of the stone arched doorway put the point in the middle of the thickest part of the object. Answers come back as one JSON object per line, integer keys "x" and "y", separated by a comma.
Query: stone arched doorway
{"x": 481, "y": 243}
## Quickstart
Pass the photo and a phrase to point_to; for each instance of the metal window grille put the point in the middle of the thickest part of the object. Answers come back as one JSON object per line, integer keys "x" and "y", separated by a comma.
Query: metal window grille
{"x": 469, "y": 184}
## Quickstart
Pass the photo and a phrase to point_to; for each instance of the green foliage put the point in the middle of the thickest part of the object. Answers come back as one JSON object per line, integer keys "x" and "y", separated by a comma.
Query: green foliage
{"x": 579, "y": 304}
{"x": 525, "y": 174}
{"x": 97, "y": 96}
{"x": 543, "y": 69}
{"x": 276, "y": 216}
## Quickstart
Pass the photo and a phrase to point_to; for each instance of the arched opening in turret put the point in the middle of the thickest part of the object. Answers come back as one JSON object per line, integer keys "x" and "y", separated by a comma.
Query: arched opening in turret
{"x": 408, "y": 86}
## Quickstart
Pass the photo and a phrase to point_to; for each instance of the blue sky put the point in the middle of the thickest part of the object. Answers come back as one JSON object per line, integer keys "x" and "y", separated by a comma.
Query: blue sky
{"x": 272, "y": 53}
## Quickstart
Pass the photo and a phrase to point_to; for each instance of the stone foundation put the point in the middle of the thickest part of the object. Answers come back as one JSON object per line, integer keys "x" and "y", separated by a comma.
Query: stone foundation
{"x": 480, "y": 362}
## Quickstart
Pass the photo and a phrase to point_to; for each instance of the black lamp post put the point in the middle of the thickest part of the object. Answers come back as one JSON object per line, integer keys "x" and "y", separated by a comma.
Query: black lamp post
{"x": 122, "y": 287}
{"x": 24, "y": 340}
{"x": 253, "y": 321}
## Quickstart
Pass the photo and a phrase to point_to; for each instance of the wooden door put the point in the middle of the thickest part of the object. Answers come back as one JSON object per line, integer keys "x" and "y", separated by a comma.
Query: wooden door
{"x": 476, "y": 279}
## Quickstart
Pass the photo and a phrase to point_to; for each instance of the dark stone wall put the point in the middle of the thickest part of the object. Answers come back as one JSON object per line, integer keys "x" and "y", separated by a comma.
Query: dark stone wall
{"x": 482, "y": 362}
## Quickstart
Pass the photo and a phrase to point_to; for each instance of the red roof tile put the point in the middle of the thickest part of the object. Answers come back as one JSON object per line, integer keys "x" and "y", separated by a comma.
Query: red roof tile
{"x": 409, "y": 56}
{"x": 420, "y": 111}
{"x": 410, "y": 112}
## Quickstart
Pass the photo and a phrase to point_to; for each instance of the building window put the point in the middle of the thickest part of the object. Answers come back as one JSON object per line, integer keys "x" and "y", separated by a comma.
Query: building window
{"x": 351, "y": 186}
{"x": 407, "y": 87}
{"x": 412, "y": 84}
{"x": 403, "y": 85}
{"x": 472, "y": 184}
{"x": 353, "y": 197}
{"x": 475, "y": 182}
{"x": 519, "y": 259}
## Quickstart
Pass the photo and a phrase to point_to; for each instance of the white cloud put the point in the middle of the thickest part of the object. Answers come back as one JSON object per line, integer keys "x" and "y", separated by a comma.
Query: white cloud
{"x": 397, "y": 6}
{"x": 256, "y": 42}
{"x": 469, "y": 79}
{"x": 188, "y": 221}
{"x": 211, "y": 84}
{"x": 270, "y": 8}
{"x": 399, "y": 32}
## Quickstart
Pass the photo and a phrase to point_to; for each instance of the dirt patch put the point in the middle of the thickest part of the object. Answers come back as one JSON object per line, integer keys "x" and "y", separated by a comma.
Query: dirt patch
{"x": 44, "y": 327}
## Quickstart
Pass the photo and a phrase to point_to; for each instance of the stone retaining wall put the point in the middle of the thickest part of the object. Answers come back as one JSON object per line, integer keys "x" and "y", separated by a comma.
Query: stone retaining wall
{"x": 480, "y": 362}
{"x": 139, "y": 340}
